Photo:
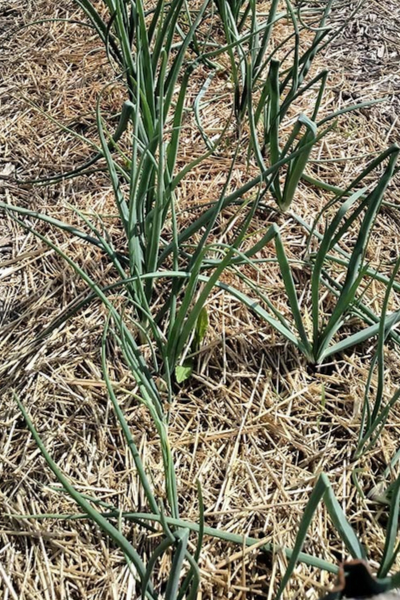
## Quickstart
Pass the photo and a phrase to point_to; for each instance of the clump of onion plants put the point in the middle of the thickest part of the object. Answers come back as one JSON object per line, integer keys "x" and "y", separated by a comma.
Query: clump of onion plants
{"x": 155, "y": 53}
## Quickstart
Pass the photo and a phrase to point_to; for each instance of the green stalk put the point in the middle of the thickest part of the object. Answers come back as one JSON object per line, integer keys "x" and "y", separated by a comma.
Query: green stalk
{"x": 92, "y": 513}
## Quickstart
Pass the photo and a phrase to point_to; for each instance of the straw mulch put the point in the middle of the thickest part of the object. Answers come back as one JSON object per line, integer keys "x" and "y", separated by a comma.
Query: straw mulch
{"x": 251, "y": 424}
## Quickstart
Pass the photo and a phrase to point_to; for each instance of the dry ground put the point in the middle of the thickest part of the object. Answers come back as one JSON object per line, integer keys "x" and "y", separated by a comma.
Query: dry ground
{"x": 251, "y": 424}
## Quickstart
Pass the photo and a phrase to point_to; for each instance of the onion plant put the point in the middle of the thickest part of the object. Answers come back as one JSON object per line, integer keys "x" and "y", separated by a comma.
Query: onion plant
{"x": 258, "y": 97}
{"x": 323, "y": 492}
{"x": 319, "y": 346}
{"x": 373, "y": 421}
{"x": 266, "y": 87}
